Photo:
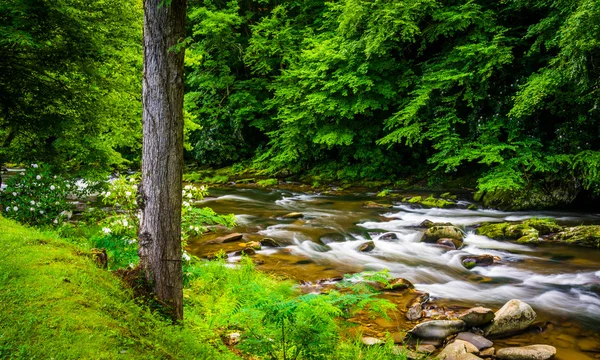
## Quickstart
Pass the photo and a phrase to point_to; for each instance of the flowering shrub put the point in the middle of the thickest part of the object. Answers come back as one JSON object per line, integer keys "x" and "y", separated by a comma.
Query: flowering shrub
{"x": 121, "y": 225}
{"x": 37, "y": 197}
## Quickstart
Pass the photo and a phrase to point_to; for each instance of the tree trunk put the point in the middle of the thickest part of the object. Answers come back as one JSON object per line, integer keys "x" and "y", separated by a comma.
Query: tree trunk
{"x": 162, "y": 154}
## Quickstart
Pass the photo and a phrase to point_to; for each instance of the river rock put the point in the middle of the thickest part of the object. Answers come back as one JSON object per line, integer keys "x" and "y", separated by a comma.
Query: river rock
{"x": 585, "y": 235}
{"x": 471, "y": 261}
{"x": 415, "y": 310}
{"x": 457, "y": 351}
{"x": 366, "y": 247}
{"x": 437, "y": 329}
{"x": 388, "y": 236}
{"x": 370, "y": 341}
{"x": 434, "y": 233}
{"x": 489, "y": 352}
{"x": 293, "y": 215}
{"x": 513, "y": 317}
{"x": 428, "y": 223}
{"x": 246, "y": 251}
{"x": 269, "y": 242}
{"x": 531, "y": 352}
{"x": 253, "y": 245}
{"x": 425, "y": 348}
{"x": 374, "y": 205}
{"x": 451, "y": 244}
{"x": 476, "y": 340}
{"x": 477, "y": 316}
{"x": 227, "y": 238}
{"x": 399, "y": 284}
{"x": 331, "y": 237}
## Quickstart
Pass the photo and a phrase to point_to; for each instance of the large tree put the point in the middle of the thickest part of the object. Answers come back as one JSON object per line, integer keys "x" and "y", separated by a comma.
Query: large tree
{"x": 162, "y": 151}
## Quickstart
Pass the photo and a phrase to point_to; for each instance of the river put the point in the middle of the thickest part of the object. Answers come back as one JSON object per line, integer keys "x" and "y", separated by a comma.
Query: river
{"x": 560, "y": 282}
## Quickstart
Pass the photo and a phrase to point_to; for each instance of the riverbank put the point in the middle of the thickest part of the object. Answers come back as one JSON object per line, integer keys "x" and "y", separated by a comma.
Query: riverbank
{"x": 56, "y": 302}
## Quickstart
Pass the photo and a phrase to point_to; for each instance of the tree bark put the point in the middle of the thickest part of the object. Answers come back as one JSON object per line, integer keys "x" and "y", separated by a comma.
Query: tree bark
{"x": 162, "y": 153}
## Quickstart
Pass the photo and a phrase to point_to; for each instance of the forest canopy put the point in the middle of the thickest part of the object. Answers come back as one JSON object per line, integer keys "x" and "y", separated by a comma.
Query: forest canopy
{"x": 349, "y": 90}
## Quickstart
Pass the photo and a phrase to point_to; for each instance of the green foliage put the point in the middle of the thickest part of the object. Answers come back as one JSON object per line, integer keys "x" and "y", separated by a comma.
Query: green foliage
{"x": 383, "y": 193}
{"x": 37, "y": 196}
{"x": 70, "y": 79}
{"x": 267, "y": 182}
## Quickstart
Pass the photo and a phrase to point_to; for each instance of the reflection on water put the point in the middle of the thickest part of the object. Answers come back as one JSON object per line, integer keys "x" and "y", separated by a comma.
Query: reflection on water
{"x": 556, "y": 280}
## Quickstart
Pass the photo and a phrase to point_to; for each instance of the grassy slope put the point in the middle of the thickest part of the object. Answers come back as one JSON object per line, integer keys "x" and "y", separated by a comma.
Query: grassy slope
{"x": 57, "y": 304}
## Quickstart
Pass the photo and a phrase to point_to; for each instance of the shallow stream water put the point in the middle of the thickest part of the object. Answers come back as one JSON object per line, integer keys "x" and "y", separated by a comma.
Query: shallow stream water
{"x": 562, "y": 283}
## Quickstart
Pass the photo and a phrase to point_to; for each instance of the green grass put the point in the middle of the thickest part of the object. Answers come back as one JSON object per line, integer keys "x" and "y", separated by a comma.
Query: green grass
{"x": 57, "y": 304}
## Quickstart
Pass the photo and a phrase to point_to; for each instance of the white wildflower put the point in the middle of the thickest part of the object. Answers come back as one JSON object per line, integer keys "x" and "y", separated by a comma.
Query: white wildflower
{"x": 31, "y": 209}
{"x": 106, "y": 230}
{"x": 189, "y": 195}
{"x": 202, "y": 187}
{"x": 39, "y": 177}
{"x": 68, "y": 186}
{"x": 131, "y": 241}
{"x": 55, "y": 221}
{"x": 128, "y": 193}
{"x": 15, "y": 208}
{"x": 14, "y": 193}
{"x": 188, "y": 187}
{"x": 107, "y": 193}
{"x": 191, "y": 227}
{"x": 186, "y": 204}
{"x": 7, "y": 208}
{"x": 197, "y": 229}
{"x": 22, "y": 173}
{"x": 125, "y": 223}
{"x": 52, "y": 187}
{"x": 131, "y": 179}
{"x": 185, "y": 256}
{"x": 32, "y": 202}
{"x": 134, "y": 187}
{"x": 35, "y": 166}
{"x": 57, "y": 203}
{"x": 42, "y": 212}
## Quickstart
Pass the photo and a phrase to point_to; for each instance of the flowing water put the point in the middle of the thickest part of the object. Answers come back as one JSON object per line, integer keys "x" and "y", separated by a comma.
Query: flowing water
{"x": 562, "y": 283}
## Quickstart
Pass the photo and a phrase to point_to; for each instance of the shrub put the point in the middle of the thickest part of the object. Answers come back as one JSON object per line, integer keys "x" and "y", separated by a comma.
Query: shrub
{"x": 37, "y": 196}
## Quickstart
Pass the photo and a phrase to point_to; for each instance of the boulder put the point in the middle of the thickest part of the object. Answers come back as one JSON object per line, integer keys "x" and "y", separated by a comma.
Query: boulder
{"x": 470, "y": 348}
{"x": 513, "y": 317}
{"x": 399, "y": 284}
{"x": 456, "y": 351}
{"x": 531, "y": 352}
{"x": 586, "y": 235}
{"x": 477, "y": 316}
{"x": 477, "y": 260}
{"x": 366, "y": 247}
{"x": 253, "y": 245}
{"x": 476, "y": 340}
{"x": 425, "y": 348}
{"x": 293, "y": 215}
{"x": 437, "y": 329}
{"x": 269, "y": 242}
{"x": 374, "y": 205}
{"x": 227, "y": 238}
{"x": 434, "y": 233}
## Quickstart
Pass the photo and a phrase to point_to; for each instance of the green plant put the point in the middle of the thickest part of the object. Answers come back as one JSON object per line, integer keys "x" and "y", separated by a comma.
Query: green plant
{"x": 37, "y": 196}
{"x": 267, "y": 182}
{"x": 383, "y": 193}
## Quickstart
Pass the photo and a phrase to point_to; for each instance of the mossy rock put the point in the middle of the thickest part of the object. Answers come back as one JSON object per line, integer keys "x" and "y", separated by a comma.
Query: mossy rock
{"x": 508, "y": 231}
{"x": 529, "y": 239}
{"x": 434, "y": 233}
{"x": 543, "y": 226}
{"x": 473, "y": 207}
{"x": 374, "y": 205}
{"x": 585, "y": 235}
{"x": 448, "y": 196}
{"x": 492, "y": 230}
{"x": 430, "y": 202}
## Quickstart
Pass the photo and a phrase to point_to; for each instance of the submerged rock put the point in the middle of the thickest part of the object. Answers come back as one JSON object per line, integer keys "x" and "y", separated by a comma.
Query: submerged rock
{"x": 477, "y": 316}
{"x": 374, "y": 205}
{"x": 471, "y": 261}
{"x": 388, "y": 236}
{"x": 415, "y": 310}
{"x": 428, "y": 223}
{"x": 247, "y": 252}
{"x": 293, "y": 215}
{"x": 253, "y": 245}
{"x": 331, "y": 237}
{"x": 366, "y": 247}
{"x": 434, "y": 233}
{"x": 531, "y": 352}
{"x": 227, "y": 238}
{"x": 437, "y": 329}
{"x": 515, "y": 316}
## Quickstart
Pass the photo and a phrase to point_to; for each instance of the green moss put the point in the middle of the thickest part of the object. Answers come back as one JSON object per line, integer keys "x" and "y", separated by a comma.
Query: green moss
{"x": 469, "y": 264}
{"x": 429, "y": 202}
{"x": 492, "y": 230}
{"x": 543, "y": 225}
{"x": 245, "y": 181}
{"x": 585, "y": 235}
{"x": 472, "y": 207}
{"x": 415, "y": 200}
{"x": 267, "y": 182}
{"x": 383, "y": 193}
